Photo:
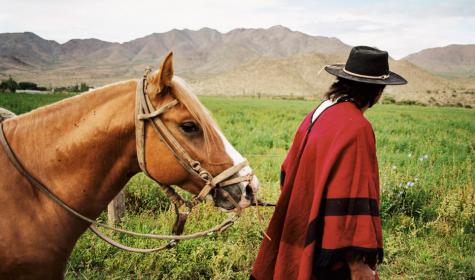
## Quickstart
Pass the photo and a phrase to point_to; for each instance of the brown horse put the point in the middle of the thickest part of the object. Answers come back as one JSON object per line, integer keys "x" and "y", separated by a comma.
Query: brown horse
{"x": 84, "y": 150}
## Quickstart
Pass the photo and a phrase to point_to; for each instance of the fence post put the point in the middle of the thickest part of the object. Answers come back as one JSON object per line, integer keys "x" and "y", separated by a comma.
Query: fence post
{"x": 116, "y": 209}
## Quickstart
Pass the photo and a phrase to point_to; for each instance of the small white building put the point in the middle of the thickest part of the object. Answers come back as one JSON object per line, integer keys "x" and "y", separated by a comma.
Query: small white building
{"x": 33, "y": 91}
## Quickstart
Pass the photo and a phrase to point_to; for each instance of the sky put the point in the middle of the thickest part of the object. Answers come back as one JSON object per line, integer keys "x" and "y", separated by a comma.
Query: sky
{"x": 400, "y": 27}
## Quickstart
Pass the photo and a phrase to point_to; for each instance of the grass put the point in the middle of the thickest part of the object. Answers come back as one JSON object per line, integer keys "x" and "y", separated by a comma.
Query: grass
{"x": 23, "y": 102}
{"x": 426, "y": 157}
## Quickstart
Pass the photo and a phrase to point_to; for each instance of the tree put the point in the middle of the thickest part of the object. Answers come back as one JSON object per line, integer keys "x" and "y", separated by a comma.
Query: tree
{"x": 75, "y": 88}
{"x": 83, "y": 87}
{"x": 27, "y": 85}
{"x": 9, "y": 85}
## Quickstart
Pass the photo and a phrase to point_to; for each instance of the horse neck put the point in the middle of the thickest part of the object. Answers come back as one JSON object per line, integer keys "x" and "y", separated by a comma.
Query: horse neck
{"x": 82, "y": 148}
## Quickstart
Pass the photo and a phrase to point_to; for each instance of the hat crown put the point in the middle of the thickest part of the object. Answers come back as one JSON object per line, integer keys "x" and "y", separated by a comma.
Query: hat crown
{"x": 367, "y": 61}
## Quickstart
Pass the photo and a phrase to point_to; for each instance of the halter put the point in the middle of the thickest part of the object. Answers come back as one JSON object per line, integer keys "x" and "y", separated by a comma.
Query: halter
{"x": 145, "y": 112}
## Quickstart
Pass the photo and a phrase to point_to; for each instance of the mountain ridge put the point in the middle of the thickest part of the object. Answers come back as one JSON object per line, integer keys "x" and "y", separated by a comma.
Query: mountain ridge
{"x": 281, "y": 62}
{"x": 451, "y": 61}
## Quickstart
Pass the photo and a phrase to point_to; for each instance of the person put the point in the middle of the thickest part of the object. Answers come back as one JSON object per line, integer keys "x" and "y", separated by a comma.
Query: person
{"x": 326, "y": 224}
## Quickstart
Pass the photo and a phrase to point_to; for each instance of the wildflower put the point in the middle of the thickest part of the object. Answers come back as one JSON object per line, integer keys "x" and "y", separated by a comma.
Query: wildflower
{"x": 410, "y": 184}
{"x": 423, "y": 157}
{"x": 393, "y": 167}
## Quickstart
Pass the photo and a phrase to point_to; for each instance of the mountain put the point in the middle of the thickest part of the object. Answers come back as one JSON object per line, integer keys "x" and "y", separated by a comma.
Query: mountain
{"x": 298, "y": 76}
{"x": 453, "y": 61}
{"x": 77, "y": 49}
{"x": 28, "y": 48}
{"x": 273, "y": 61}
{"x": 205, "y": 51}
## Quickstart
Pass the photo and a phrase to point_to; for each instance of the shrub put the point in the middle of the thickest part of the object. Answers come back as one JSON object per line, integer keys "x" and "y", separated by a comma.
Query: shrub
{"x": 27, "y": 85}
{"x": 9, "y": 85}
{"x": 406, "y": 198}
{"x": 410, "y": 102}
{"x": 389, "y": 100}
{"x": 142, "y": 194}
{"x": 457, "y": 211}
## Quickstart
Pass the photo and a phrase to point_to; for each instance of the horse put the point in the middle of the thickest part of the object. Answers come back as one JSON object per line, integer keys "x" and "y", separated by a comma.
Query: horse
{"x": 5, "y": 114}
{"x": 85, "y": 149}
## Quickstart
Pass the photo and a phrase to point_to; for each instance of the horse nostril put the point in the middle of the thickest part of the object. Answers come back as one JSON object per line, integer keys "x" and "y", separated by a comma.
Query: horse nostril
{"x": 249, "y": 193}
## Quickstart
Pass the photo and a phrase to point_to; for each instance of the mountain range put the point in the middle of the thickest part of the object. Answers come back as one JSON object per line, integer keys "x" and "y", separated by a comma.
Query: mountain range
{"x": 452, "y": 61}
{"x": 264, "y": 62}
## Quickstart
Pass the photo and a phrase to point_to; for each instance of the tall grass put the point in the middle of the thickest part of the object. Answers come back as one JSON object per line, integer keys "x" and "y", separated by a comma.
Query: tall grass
{"x": 426, "y": 158}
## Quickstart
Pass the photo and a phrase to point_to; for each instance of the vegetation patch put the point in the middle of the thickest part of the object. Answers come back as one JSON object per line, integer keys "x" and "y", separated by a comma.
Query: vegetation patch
{"x": 426, "y": 157}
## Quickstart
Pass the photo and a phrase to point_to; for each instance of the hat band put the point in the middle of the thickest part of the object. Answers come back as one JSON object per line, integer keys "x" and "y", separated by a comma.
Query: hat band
{"x": 382, "y": 77}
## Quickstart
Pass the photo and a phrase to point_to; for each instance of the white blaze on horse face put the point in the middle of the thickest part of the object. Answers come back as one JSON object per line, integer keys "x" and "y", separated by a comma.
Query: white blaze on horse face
{"x": 238, "y": 158}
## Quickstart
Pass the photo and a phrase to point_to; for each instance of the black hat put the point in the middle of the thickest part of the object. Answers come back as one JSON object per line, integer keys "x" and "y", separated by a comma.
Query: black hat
{"x": 366, "y": 65}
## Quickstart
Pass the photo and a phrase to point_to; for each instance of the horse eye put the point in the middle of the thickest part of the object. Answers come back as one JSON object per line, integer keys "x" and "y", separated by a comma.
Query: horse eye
{"x": 190, "y": 128}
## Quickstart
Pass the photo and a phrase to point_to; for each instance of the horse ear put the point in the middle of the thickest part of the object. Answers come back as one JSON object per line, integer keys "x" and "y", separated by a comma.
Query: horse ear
{"x": 164, "y": 75}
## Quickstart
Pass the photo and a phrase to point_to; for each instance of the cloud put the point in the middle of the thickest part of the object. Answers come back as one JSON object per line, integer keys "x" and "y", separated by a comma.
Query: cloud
{"x": 401, "y": 26}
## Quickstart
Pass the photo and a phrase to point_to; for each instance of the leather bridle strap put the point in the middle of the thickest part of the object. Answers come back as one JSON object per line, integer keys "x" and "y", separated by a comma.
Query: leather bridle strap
{"x": 145, "y": 108}
{"x": 39, "y": 185}
{"x": 220, "y": 179}
{"x": 158, "y": 112}
{"x": 143, "y": 113}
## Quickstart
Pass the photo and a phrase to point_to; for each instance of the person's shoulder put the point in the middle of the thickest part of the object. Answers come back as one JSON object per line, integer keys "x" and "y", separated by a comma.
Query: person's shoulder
{"x": 348, "y": 117}
{"x": 347, "y": 112}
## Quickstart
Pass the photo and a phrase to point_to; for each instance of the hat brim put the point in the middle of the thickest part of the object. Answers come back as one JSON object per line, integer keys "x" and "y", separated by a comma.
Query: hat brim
{"x": 337, "y": 70}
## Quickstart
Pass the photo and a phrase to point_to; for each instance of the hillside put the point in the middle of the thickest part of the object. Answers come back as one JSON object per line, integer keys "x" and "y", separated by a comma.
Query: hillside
{"x": 453, "y": 61}
{"x": 197, "y": 53}
{"x": 296, "y": 76}
{"x": 272, "y": 62}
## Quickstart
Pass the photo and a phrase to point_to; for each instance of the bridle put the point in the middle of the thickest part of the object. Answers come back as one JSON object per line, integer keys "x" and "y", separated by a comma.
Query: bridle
{"x": 145, "y": 112}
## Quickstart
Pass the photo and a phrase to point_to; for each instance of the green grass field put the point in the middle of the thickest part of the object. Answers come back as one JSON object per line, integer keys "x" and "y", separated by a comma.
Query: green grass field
{"x": 426, "y": 157}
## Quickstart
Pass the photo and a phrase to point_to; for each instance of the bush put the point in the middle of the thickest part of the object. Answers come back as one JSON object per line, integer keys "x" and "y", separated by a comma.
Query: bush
{"x": 27, "y": 85}
{"x": 83, "y": 87}
{"x": 389, "y": 100}
{"x": 410, "y": 102}
{"x": 9, "y": 85}
{"x": 457, "y": 211}
{"x": 406, "y": 198}
{"x": 144, "y": 194}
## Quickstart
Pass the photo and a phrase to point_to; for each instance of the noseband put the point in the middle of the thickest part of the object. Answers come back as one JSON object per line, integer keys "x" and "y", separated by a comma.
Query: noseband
{"x": 145, "y": 112}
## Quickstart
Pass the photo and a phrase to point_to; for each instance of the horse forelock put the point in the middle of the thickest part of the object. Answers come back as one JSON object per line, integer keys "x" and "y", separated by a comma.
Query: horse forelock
{"x": 184, "y": 94}
{"x": 211, "y": 131}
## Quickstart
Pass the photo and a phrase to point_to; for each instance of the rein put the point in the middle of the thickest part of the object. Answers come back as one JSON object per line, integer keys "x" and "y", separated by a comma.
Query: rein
{"x": 145, "y": 112}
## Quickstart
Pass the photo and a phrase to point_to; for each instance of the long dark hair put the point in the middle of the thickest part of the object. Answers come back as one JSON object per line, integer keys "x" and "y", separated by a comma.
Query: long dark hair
{"x": 361, "y": 94}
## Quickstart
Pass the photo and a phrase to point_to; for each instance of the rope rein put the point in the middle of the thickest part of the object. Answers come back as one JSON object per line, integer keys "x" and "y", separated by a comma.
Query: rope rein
{"x": 145, "y": 112}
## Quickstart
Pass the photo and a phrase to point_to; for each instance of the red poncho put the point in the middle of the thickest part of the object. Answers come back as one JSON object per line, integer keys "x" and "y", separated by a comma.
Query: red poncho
{"x": 329, "y": 204}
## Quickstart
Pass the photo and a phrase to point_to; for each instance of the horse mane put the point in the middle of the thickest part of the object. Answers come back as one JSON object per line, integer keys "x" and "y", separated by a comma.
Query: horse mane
{"x": 199, "y": 112}
{"x": 181, "y": 90}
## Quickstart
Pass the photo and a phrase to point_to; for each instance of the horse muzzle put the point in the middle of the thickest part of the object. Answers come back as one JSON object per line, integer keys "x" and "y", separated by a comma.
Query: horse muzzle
{"x": 240, "y": 195}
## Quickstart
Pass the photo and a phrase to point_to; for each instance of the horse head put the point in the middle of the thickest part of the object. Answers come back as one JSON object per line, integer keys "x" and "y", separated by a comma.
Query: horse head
{"x": 198, "y": 148}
